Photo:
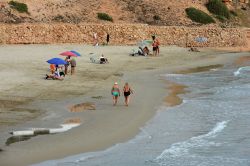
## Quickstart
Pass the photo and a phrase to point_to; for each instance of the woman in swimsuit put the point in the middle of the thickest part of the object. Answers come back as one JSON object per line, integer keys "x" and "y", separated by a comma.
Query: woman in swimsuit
{"x": 115, "y": 92}
{"x": 127, "y": 91}
{"x": 156, "y": 43}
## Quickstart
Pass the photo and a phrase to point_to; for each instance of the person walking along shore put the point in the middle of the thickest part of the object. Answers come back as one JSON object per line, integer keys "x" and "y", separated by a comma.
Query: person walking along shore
{"x": 115, "y": 92}
{"x": 127, "y": 91}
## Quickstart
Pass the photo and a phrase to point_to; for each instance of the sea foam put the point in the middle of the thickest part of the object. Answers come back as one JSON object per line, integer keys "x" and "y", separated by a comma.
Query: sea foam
{"x": 182, "y": 148}
{"x": 236, "y": 73}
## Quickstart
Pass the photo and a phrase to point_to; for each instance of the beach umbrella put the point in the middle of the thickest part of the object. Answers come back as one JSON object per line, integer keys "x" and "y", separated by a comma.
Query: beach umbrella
{"x": 69, "y": 53}
{"x": 77, "y": 53}
{"x": 201, "y": 39}
{"x": 56, "y": 61}
{"x": 144, "y": 43}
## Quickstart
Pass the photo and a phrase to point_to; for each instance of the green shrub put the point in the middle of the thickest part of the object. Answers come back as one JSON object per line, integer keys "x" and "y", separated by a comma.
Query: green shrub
{"x": 104, "y": 16}
{"x": 199, "y": 16}
{"x": 217, "y": 7}
{"x": 21, "y": 7}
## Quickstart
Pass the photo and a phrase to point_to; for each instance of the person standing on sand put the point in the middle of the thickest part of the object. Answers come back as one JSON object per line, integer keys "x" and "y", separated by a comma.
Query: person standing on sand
{"x": 95, "y": 39}
{"x": 127, "y": 91}
{"x": 73, "y": 66}
{"x": 107, "y": 39}
{"x": 67, "y": 60}
{"x": 156, "y": 43}
{"x": 115, "y": 92}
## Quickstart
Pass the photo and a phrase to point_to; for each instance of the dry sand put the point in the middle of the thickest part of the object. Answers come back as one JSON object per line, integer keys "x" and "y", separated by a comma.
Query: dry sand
{"x": 29, "y": 101}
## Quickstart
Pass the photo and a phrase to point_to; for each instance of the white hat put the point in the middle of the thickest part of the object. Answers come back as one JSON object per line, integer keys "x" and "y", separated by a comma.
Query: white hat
{"x": 116, "y": 83}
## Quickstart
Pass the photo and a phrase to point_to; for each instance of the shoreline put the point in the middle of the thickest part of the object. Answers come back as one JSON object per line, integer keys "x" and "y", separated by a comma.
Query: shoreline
{"x": 106, "y": 125}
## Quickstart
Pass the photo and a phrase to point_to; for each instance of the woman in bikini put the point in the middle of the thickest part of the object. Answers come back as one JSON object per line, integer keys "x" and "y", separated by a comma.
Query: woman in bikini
{"x": 127, "y": 91}
{"x": 156, "y": 43}
{"x": 115, "y": 92}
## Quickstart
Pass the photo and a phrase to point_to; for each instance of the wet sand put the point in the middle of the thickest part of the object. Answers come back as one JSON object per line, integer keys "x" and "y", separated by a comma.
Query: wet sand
{"x": 173, "y": 98}
{"x": 30, "y": 101}
{"x": 242, "y": 61}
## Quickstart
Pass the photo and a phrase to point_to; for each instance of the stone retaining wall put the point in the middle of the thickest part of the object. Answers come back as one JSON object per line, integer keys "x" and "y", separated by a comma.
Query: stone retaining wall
{"x": 119, "y": 34}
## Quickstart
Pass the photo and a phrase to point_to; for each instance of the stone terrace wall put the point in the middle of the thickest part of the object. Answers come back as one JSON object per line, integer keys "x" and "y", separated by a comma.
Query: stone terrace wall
{"x": 119, "y": 34}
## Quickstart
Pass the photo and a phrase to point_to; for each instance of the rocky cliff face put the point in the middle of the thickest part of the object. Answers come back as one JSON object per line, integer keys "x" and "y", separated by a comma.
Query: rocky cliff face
{"x": 128, "y": 34}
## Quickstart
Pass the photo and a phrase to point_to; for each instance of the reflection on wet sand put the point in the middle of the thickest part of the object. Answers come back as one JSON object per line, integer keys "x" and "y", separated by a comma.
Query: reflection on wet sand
{"x": 82, "y": 107}
{"x": 175, "y": 89}
{"x": 199, "y": 69}
{"x": 242, "y": 61}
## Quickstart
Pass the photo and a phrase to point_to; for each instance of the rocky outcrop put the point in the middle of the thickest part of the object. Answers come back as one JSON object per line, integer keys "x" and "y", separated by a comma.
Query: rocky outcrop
{"x": 121, "y": 34}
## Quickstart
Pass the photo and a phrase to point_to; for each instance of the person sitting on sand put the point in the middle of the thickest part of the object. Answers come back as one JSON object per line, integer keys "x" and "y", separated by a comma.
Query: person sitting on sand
{"x": 52, "y": 68}
{"x": 145, "y": 51}
{"x": 127, "y": 91}
{"x": 61, "y": 71}
{"x": 103, "y": 60}
{"x": 140, "y": 51}
{"x": 115, "y": 92}
{"x": 55, "y": 76}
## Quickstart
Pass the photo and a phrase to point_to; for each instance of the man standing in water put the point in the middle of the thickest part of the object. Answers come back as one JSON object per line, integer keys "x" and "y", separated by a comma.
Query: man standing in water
{"x": 115, "y": 92}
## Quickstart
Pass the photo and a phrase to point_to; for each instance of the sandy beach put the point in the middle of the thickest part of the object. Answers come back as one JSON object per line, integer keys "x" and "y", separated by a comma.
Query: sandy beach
{"x": 27, "y": 100}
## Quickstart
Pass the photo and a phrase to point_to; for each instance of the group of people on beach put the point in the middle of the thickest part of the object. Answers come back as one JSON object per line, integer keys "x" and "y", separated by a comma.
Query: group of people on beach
{"x": 144, "y": 50}
{"x": 58, "y": 72}
{"x": 116, "y": 93}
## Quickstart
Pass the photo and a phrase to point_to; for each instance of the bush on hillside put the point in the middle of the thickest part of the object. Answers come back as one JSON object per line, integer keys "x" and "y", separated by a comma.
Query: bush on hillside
{"x": 21, "y": 7}
{"x": 199, "y": 16}
{"x": 217, "y": 7}
{"x": 104, "y": 16}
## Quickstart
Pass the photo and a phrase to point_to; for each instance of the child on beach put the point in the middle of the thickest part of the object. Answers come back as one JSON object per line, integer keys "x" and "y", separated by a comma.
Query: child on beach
{"x": 115, "y": 92}
{"x": 127, "y": 91}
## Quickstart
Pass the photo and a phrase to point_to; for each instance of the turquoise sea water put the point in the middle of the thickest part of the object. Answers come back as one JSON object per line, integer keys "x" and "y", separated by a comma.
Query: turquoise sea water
{"x": 210, "y": 128}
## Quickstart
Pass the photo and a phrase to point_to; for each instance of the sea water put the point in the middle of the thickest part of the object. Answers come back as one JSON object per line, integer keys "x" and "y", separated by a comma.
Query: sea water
{"x": 210, "y": 128}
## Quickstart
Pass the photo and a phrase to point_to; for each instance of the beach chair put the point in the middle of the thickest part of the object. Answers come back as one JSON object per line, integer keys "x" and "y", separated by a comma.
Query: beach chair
{"x": 94, "y": 59}
{"x": 134, "y": 52}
